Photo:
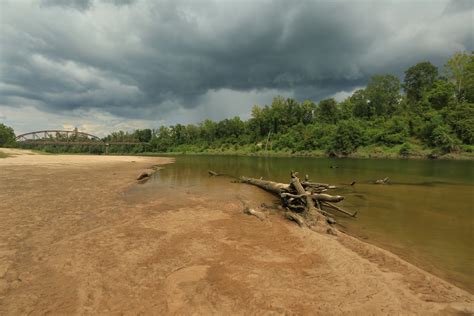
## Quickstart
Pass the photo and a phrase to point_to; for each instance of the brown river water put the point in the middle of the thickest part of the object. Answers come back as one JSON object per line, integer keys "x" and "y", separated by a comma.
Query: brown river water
{"x": 424, "y": 213}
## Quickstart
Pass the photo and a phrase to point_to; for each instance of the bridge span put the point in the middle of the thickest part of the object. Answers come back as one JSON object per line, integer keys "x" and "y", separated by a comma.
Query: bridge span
{"x": 64, "y": 137}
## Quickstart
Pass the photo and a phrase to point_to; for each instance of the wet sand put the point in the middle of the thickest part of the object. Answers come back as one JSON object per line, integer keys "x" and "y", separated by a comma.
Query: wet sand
{"x": 73, "y": 241}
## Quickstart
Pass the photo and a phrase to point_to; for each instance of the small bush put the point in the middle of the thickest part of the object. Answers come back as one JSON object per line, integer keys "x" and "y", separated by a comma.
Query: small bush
{"x": 444, "y": 139}
{"x": 348, "y": 136}
{"x": 405, "y": 150}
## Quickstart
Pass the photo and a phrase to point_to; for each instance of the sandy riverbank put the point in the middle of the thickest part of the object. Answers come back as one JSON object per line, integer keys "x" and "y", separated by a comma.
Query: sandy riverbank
{"x": 71, "y": 242}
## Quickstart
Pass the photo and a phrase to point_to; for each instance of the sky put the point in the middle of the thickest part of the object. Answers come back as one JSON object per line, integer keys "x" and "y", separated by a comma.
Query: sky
{"x": 105, "y": 65}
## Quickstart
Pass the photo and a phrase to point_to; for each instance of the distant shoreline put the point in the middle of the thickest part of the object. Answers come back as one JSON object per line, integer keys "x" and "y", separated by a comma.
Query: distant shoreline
{"x": 316, "y": 154}
{"x": 362, "y": 153}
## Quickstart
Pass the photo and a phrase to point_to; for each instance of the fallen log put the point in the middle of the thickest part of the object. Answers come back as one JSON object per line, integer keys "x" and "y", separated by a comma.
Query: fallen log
{"x": 337, "y": 208}
{"x": 212, "y": 173}
{"x": 381, "y": 181}
{"x": 306, "y": 184}
{"x": 273, "y": 187}
{"x": 296, "y": 208}
{"x": 331, "y": 221}
{"x": 247, "y": 210}
{"x": 314, "y": 184}
{"x": 296, "y": 218}
{"x": 293, "y": 196}
{"x": 143, "y": 175}
{"x": 302, "y": 201}
{"x": 318, "y": 204}
{"x": 327, "y": 198}
{"x": 311, "y": 209}
{"x": 260, "y": 215}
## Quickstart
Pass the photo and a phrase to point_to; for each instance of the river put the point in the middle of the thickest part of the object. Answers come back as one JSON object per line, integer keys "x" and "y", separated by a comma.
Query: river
{"x": 424, "y": 213}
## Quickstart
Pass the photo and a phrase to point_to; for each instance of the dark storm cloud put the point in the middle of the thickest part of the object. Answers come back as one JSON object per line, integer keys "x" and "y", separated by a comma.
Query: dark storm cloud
{"x": 75, "y": 4}
{"x": 459, "y": 6}
{"x": 147, "y": 58}
{"x": 80, "y": 4}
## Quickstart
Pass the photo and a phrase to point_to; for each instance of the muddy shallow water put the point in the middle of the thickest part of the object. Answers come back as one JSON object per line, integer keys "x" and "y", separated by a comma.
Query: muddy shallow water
{"x": 424, "y": 214}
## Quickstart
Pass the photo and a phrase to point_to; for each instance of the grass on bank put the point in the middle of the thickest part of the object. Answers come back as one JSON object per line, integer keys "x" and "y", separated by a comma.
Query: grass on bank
{"x": 402, "y": 151}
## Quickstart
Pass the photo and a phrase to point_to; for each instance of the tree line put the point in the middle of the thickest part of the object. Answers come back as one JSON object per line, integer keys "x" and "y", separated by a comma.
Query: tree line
{"x": 432, "y": 109}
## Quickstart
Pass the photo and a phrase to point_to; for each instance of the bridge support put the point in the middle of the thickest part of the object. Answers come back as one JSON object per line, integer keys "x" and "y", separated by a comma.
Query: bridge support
{"x": 68, "y": 138}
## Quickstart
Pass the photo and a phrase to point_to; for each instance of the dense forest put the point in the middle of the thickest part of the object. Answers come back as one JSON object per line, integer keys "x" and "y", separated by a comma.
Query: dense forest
{"x": 430, "y": 113}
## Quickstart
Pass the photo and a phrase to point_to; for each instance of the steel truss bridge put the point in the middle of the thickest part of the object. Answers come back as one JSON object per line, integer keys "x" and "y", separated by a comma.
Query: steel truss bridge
{"x": 74, "y": 137}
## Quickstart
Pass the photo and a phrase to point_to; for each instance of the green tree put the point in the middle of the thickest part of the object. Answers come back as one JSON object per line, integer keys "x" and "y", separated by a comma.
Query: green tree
{"x": 229, "y": 130}
{"x": 443, "y": 138}
{"x": 383, "y": 92}
{"x": 327, "y": 111}
{"x": 361, "y": 104}
{"x": 178, "y": 134}
{"x": 260, "y": 123}
{"x": 318, "y": 136}
{"x": 162, "y": 141}
{"x": 461, "y": 119}
{"x": 426, "y": 124}
{"x": 469, "y": 81}
{"x": 308, "y": 112}
{"x": 441, "y": 95}
{"x": 7, "y": 135}
{"x": 459, "y": 71}
{"x": 283, "y": 114}
{"x": 395, "y": 131}
{"x": 191, "y": 134}
{"x": 143, "y": 135}
{"x": 346, "y": 109}
{"x": 348, "y": 136}
{"x": 419, "y": 79}
{"x": 207, "y": 131}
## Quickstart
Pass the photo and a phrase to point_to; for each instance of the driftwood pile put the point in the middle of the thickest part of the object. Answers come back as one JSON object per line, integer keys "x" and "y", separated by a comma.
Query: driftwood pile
{"x": 303, "y": 201}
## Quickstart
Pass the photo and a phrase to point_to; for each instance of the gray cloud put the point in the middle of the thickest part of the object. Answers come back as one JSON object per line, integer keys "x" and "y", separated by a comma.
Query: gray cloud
{"x": 73, "y": 4}
{"x": 80, "y": 4}
{"x": 155, "y": 59}
{"x": 459, "y": 6}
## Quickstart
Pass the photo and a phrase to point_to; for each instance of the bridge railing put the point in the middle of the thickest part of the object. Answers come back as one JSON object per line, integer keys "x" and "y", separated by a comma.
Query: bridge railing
{"x": 59, "y": 135}
{"x": 74, "y": 137}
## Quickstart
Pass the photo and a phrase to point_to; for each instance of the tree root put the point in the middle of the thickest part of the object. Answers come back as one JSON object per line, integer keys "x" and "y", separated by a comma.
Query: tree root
{"x": 302, "y": 200}
{"x": 296, "y": 218}
{"x": 260, "y": 215}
